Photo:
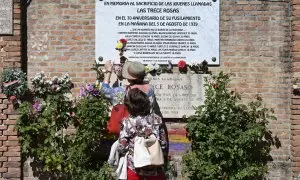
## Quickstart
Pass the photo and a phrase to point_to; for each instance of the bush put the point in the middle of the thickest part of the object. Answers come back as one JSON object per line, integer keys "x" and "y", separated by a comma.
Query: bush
{"x": 43, "y": 124}
{"x": 88, "y": 144}
{"x": 229, "y": 140}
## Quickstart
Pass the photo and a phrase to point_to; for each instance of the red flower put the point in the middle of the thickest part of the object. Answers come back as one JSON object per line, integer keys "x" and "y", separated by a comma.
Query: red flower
{"x": 123, "y": 41}
{"x": 181, "y": 64}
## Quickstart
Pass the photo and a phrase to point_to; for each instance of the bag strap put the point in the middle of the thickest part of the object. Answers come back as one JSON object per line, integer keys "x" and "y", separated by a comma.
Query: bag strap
{"x": 151, "y": 91}
{"x": 127, "y": 88}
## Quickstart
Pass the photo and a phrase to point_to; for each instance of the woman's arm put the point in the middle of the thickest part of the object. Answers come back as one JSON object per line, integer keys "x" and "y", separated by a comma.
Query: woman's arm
{"x": 159, "y": 131}
{"x": 108, "y": 69}
{"x": 116, "y": 94}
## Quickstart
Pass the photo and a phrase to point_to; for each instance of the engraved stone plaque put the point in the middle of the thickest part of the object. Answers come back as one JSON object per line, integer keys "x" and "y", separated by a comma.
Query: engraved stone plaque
{"x": 178, "y": 94}
{"x": 6, "y": 17}
{"x": 159, "y": 31}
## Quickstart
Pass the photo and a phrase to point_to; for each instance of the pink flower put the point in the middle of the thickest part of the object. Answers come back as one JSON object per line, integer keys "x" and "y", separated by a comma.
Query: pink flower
{"x": 181, "y": 64}
{"x": 12, "y": 98}
{"x": 37, "y": 106}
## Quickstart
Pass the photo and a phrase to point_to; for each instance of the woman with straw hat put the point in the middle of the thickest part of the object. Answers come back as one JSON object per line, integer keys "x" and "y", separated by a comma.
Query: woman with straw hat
{"x": 134, "y": 73}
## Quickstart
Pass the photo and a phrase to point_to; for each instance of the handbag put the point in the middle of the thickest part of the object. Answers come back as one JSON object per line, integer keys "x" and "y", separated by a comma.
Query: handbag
{"x": 141, "y": 156}
{"x": 118, "y": 113}
{"x": 156, "y": 154}
{"x": 147, "y": 152}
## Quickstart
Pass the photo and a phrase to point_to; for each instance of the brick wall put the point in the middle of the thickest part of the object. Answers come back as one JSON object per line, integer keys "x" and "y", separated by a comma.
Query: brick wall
{"x": 10, "y": 165}
{"x": 10, "y": 56}
{"x": 255, "y": 47}
{"x": 295, "y": 108}
{"x": 10, "y": 45}
{"x": 61, "y": 38}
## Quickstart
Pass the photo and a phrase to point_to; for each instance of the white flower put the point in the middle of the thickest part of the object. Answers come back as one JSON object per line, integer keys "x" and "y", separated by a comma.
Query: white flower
{"x": 147, "y": 80}
{"x": 151, "y": 67}
{"x": 55, "y": 78}
{"x": 66, "y": 76}
{"x": 156, "y": 66}
{"x": 49, "y": 82}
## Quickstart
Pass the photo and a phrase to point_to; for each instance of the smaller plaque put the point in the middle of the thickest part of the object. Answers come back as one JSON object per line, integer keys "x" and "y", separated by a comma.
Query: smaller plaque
{"x": 178, "y": 94}
{"x": 6, "y": 18}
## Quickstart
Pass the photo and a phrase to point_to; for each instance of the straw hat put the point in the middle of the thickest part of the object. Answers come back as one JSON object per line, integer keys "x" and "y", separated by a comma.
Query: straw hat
{"x": 133, "y": 70}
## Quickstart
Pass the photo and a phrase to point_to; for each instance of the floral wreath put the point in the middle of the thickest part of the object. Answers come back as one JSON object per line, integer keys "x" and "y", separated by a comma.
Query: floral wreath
{"x": 14, "y": 83}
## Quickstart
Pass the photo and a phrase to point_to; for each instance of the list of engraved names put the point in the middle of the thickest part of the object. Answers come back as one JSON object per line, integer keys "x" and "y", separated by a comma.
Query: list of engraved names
{"x": 159, "y": 31}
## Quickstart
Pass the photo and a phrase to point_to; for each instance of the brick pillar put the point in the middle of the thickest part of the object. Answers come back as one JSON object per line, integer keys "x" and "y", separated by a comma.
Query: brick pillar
{"x": 295, "y": 108}
{"x": 10, "y": 56}
{"x": 10, "y": 160}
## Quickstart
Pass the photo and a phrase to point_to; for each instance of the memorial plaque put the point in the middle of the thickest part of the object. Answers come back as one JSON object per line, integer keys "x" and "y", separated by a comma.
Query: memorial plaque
{"x": 159, "y": 31}
{"x": 6, "y": 18}
{"x": 178, "y": 94}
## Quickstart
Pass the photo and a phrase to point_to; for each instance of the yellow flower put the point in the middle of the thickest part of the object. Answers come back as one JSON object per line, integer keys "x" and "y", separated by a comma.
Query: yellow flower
{"x": 119, "y": 45}
{"x": 147, "y": 69}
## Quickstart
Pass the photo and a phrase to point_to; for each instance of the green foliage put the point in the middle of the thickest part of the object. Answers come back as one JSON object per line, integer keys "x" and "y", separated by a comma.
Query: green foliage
{"x": 171, "y": 169}
{"x": 105, "y": 173}
{"x": 43, "y": 132}
{"x": 92, "y": 114}
{"x": 229, "y": 139}
{"x": 14, "y": 82}
{"x": 97, "y": 68}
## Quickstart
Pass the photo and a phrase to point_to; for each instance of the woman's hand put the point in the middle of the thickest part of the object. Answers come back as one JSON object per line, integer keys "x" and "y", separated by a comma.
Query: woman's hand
{"x": 108, "y": 66}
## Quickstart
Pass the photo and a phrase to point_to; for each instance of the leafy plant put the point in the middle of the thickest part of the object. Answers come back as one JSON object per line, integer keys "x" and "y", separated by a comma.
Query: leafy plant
{"x": 88, "y": 146}
{"x": 229, "y": 139}
{"x": 43, "y": 124}
{"x": 171, "y": 169}
{"x": 97, "y": 68}
{"x": 14, "y": 82}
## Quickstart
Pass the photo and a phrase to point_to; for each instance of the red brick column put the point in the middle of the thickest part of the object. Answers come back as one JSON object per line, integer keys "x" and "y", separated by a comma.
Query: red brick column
{"x": 10, "y": 56}
{"x": 295, "y": 108}
{"x": 9, "y": 145}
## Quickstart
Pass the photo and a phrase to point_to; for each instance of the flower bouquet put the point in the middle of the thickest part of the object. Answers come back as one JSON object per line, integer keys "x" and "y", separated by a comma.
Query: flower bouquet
{"x": 201, "y": 68}
{"x": 121, "y": 46}
{"x": 156, "y": 69}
